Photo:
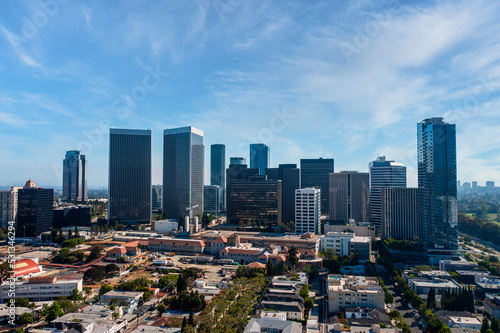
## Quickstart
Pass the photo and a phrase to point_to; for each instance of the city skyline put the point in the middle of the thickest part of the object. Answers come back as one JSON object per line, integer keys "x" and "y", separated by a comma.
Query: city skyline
{"x": 316, "y": 84}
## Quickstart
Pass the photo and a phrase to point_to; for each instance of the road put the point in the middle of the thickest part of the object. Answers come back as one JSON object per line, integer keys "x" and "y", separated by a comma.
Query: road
{"x": 319, "y": 284}
{"x": 400, "y": 302}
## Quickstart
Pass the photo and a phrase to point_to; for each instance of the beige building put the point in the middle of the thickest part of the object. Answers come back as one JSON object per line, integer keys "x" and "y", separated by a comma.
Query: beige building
{"x": 41, "y": 288}
{"x": 354, "y": 291}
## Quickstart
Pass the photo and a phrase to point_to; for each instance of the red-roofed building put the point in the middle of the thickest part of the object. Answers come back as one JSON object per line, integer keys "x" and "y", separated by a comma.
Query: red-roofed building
{"x": 241, "y": 255}
{"x": 26, "y": 268}
{"x": 257, "y": 265}
{"x": 218, "y": 244}
{"x": 117, "y": 252}
{"x": 176, "y": 245}
{"x": 265, "y": 257}
{"x": 307, "y": 254}
{"x": 132, "y": 248}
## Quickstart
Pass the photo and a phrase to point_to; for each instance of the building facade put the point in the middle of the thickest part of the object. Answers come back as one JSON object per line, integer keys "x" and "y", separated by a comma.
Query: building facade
{"x": 349, "y": 196}
{"x": 315, "y": 173}
{"x": 218, "y": 165}
{"x": 74, "y": 177}
{"x": 400, "y": 213}
{"x": 259, "y": 157}
{"x": 255, "y": 200}
{"x": 71, "y": 216}
{"x": 383, "y": 173}
{"x": 307, "y": 210}
{"x": 213, "y": 201}
{"x": 289, "y": 175}
{"x": 237, "y": 170}
{"x": 129, "y": 176}
{"x": 41, "y": 288}
{"x": 157, "y": 198}
{"x": 183, "y": 165}
{"x": 35, "y": 210}
{"x": 437, "y": 179}
{"x": 354, "y": 291}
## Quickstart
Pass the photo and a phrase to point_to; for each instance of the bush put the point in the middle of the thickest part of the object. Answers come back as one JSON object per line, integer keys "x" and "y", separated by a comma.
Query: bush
{"x": 72, "y": 242}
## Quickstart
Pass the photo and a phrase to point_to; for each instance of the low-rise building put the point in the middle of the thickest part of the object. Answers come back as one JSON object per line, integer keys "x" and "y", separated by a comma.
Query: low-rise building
{"x": 131, "y": 298}
{"x": 243, "y": 255}
{"x": 176, "y": 245}
{"x": 27, "y": 268}
{"x": 345, "y": 243}
{"x": 472, "y": 277}
{"x": 354, "y": 291}
{"x": 165, "y": 226}
{"x": 41, "y": 288}
{"x": 272, "y": 325}
{"x": 459, "y": 319}
{"x": 492, "y": 306}
{"x": 457, "y": 264}
{"x": 86, "y": 323}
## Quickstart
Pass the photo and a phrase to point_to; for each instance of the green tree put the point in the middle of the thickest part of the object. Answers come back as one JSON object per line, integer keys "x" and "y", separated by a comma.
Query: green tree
{"x": 77, "y": 233}
{"x": 95, "y": 274}
{"x": 95, "y": 252}
{"x": 181, "y": 283}
{"x": 54, "y": 311}
{"x": 75, "y": 295}
{"x": 270, "y": 267}
{"x": 191, "y": 318}
{"x": 112, "y": 269}
{"x": 184, "y": 323}
{"x": 22, "y": 302}
{"x": 115, "y": 315}
{"x": 204, "y": 220}
{"x": 431, "y": 299}
{"x": 495, "y": 325}
{"x": 161, "y": 308}
{"x": 104, "y": 289}
{"x": 25, "y": 319}
{"x": 304, "y": 292}
{"x": 70, "y": 234}
{"x": 485, "y": 326}
{"x": 293, "y": 257}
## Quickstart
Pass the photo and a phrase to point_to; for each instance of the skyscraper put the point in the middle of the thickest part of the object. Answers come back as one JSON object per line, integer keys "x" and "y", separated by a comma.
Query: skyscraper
{"x": 290, "y": 177}
{"x": 35, "y": 210}
{"x": 400, "y": 212}
{"x": 315, "y": 173}
{"x": 437, "y": 179}
{"x": 259, "y": 157}
{"x": 307, "y": 210}
{"x": 218, "y": 165}
{"x": 129, "y": 175}
{"x": 237, "y": 170}
{"x": 183, "y": 156}
{"x": 349, "y": 196}
{"x": 74, "y": 177}
{"x": 157, "y": 198}
{"x": 213, "y": 199}
{"x": 383, "y": 173}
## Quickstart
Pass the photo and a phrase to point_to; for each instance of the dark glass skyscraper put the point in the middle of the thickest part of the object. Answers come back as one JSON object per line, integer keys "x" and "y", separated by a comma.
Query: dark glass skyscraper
{"x": 437, "y": 179}
{"x": 315, "y": 173}
{"x": 35, "y": 210}
{"x": 129, "y": 175}
{"x": 290, "y": 177}
{"x": 218, "y": 165}
{"x": 74, "y": 177}
{"x": 383, "y": 173}
{"x": 349, "y": 196}
{"x": 183, "y": 156}
{"x": 259, "y": 157}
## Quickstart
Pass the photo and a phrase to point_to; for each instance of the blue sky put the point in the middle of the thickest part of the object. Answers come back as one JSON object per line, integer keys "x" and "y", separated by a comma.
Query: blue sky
{"x": 344, "y": 79}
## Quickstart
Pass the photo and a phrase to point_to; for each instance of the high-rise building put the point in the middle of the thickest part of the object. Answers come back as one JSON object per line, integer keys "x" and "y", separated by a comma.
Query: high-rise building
{"x": 290, "y": 178}
{"x": 490, "y": 183}
{"x": 237, "y": 170}
{"x": 35, "y": 210}
{"x": 307, "y": 210}
{"x": 74, "y": 177}
{"x": 218, "y": 165}
{"x": 437, "y": 179}
{"x": 474, "y": 184}
{"x": 157, "y": 198}
{"x": 129, "y": 175}
{"x": 255, "y": 200}
{"x": 5, "y": 208}
{"x": 183, "y": 163}
{"x": 213, "y": 200}
{"x": 400, "y": 212}
{"x": 349, "y": 196}
{"x": 383, "y": 173}
{"x": 259, "y": 157}
{"x": 315, "y": 173}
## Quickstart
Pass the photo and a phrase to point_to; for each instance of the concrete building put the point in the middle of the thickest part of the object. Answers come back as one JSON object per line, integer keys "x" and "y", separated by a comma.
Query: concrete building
{"x": 35, "y": 210}
{"x": 129, "y": 176}
{"x": 164, "y": 226}
{"x": 272, "y": 325}
{"x": 457, "y": 264}
{"x": 383, "y": 174}
{"x": 345, "y": 243}
{"x": 349, "y": 196}
{"x": 213, "y": 199}
{"x": 132, "y": 298}
{"x": 183, "y": 172}
{"x": 422, "y": 282}
{"x": 400, "y": 212}
{"x": 359, "y": 230}
{"x": 41, "y": 288}
{"x": 74, "y": 177}
{"x": 354, "y": 291}
{"x": 315, "y": 173}
{"x": 307, "y": 210}
{"x": 242, "y": 255}
{"x": 176, "y": 245}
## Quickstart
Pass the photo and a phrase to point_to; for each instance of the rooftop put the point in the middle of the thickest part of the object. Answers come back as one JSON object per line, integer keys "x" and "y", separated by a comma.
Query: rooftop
{"x": 354, "y": 283}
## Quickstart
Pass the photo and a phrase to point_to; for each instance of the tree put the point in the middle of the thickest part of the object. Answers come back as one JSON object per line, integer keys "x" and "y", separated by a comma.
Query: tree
{"x": 270, "y": 267}
{"x": 115, "y": 315}
{"x": 104, "y": 289}
{"x": 70, "y": 234}
{"x": 304, "y": 292}
{"x": 184, "y": 323}
{"x": 75, "y": 295}
{"x": 293, "y": 258}
{"x": 495, "y": 324}
{"x": 204, "y": 220}
{"x": 22, "y": 302}
{"x": 95, "y": 252}
{"x": 95, "y": 274}
{"x": 25, "y": 319}
{"x": 485, "y": 326}
{"x": 111, "y": 269}
{"x": 431, "y": 299}
{"x": 181, "y": 283}
{"x": 52, "y": 312}
{"x": 191, "y": 318}
{"x": 161, "y": 308}
{"x": 77, "y": 233}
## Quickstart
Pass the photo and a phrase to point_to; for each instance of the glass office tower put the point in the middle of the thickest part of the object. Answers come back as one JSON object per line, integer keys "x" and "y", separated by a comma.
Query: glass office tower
{"x": 315, "y": 173}
{"x": 129, "y": 175}
{"x": 183, "y": 155}
{"x": 259, "y": 157}
{"x": 218, "y": 165}
{"x": 437, "y": 179}
{"x": 74, "y": 177}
